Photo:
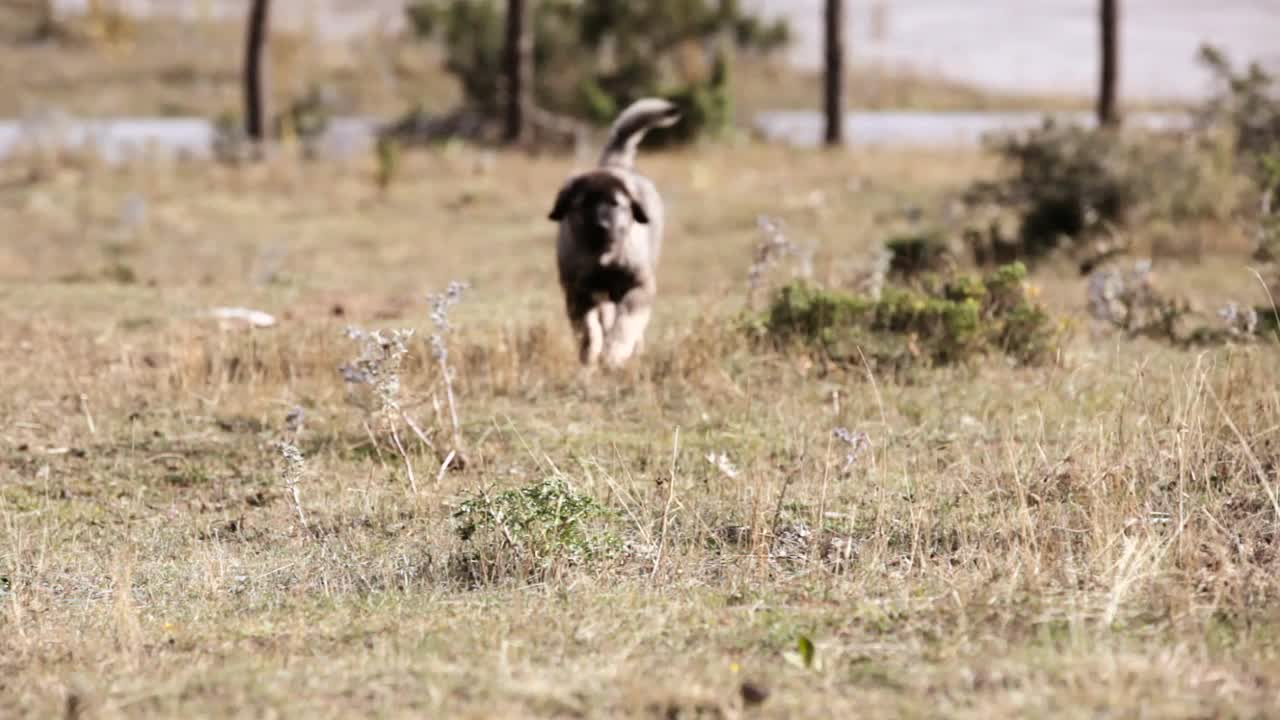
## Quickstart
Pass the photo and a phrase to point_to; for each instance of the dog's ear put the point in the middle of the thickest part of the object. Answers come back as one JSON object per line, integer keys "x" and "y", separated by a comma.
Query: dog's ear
{"x": 564, "y": 199}
{"x": 638, "y": 212}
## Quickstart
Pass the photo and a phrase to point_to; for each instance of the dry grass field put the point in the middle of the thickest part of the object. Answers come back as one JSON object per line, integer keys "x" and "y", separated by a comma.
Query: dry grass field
{"x": 1094, "y": 537}
{"x": 695, "y": 536}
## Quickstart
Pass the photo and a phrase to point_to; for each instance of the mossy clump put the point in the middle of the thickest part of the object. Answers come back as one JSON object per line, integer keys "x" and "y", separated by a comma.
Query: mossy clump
{"x": 945, "y": 322}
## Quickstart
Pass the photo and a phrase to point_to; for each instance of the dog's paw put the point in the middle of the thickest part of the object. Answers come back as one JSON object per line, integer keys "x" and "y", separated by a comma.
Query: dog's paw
{"x": 587, "y": 372}
{"x": 615, "y": 358}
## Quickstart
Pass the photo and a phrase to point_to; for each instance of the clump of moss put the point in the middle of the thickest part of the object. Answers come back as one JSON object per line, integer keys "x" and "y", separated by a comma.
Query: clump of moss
{"x": 946, "y": 322}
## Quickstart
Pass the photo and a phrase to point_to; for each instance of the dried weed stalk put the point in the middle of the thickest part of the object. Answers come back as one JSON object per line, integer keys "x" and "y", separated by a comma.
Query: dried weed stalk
{"x": 856, "y": 443}
{"x": 440, "y": 305}
{"x": 293, "y": 467}
{"x": 374, "y": 378}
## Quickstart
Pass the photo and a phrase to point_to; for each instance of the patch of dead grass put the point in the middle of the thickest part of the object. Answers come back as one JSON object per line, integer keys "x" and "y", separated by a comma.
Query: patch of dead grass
{"x": 1094, "y": 536}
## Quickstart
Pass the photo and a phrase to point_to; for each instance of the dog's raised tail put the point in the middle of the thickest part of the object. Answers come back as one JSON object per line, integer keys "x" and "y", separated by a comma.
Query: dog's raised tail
{"x": 630, "y": 128}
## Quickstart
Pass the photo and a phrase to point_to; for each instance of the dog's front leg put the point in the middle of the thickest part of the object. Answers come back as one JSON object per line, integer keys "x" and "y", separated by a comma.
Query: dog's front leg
{"x": 629, "y": 326}
{"x": 608, "y": 314}
{"x": 591, "y": 337}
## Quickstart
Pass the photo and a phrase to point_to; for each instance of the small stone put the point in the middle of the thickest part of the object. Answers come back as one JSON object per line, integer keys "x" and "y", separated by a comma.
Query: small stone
{"x": 753, "y": 694}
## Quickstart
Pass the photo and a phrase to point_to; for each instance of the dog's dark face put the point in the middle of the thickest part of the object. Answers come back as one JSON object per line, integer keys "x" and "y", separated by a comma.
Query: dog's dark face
{"x": 601, "y": 210}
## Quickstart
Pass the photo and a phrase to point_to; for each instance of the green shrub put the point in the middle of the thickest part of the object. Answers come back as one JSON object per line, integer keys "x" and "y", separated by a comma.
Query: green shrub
{"x": 387, "y": 151}
{"x": 1248, "y": 105}
{"x": 911, "y": 255}
{"x": 592, "y": 59}
{"x": 1269, "y": 323}
{"x": 531, "y": 529}
{"x": 306, "y": 119}
{"x": 957, "y": 319}
{"x": 706, "y": 107}
{"x": 1267, "y": 230}
{"x": 1068, "y": 185}
{"x": 1066, "y": 182}
{"x": 472, "y": 33}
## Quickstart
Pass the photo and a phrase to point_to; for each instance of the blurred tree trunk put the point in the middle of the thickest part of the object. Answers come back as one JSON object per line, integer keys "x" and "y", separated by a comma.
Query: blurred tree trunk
{"x": 834, "y": 79}
{"x": 724, "y": 35}
{"x": 1108, "y": 113}
{"x": 255, "y": 81}
{"x": 519, "y": 69}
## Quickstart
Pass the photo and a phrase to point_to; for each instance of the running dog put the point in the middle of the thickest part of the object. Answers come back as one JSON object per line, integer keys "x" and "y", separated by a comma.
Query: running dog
{"x": 611, "y": 224}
